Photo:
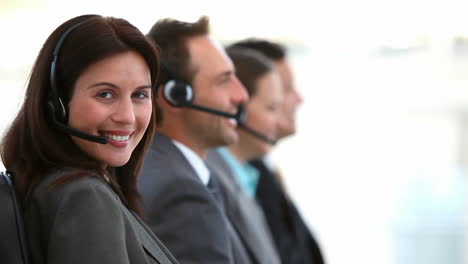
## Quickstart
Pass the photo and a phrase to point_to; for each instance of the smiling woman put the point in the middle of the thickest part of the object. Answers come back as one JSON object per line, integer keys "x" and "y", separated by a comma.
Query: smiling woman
{"x": 77, "y": 144}
{"x": 120, "y": 99}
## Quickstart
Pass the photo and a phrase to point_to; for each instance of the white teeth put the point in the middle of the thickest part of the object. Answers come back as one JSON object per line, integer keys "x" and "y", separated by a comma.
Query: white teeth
{"x": 116, "y": 137}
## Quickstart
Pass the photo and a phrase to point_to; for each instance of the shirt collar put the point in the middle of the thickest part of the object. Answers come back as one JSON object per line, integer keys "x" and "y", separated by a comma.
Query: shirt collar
{"x": 195, "y": 161}
{"x": 268, "y": 161}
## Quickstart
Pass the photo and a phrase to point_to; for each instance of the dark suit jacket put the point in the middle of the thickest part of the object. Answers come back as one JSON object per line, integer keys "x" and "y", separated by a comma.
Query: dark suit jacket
{"x": 84, "y": 221}
{"x": 181, "y": 210}
{"x": 244, "y": 212}
{"x": 293, "y": 239}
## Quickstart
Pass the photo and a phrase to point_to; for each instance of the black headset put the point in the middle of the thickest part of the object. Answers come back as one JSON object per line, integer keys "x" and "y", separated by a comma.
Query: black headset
{"x": 179, "y": 93}
{"x": 176, "y": 91}
{"x": 57, "y": 110}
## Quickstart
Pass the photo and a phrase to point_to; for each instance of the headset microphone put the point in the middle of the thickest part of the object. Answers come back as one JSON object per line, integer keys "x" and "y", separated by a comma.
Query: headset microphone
{"x": 179, "y": 93}
{"x": 242, "y": 117}
{"x": 56, "y": 108}
{"x": 257, "y": 134}
{"x": 79, "y": 134}
{"x": 212, "y": 111}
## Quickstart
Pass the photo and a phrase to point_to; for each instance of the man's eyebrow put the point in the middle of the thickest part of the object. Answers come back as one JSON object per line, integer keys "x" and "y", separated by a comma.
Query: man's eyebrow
{"x": 226, "y": 73}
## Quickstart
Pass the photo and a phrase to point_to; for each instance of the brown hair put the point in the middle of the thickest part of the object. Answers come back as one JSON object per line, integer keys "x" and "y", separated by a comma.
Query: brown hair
{"x": 32, "y": 146}
{"x": 250, "y": 66}
{"x": 170, "y": 36}
{"x": 272, "y": 50}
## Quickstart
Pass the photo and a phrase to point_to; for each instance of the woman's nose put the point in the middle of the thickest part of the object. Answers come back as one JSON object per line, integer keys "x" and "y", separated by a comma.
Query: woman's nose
{"x": 124, "y": 112}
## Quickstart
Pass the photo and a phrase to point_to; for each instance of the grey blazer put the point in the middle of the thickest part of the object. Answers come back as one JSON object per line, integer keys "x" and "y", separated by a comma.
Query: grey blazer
{"x": 244, "y": 212}
{"x": 182, "y": 212}
{"x": 84, "y": 221}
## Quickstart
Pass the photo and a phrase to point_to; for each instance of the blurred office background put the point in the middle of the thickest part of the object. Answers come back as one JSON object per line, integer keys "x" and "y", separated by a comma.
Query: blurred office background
{"x": 378, "y": 166}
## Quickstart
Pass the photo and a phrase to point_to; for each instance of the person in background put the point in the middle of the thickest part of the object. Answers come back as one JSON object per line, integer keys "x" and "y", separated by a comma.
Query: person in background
{"x": 77, "y": 145}
{"x": 293, "y": 239}
{"x": 237, "y": 178}
{"x": 199, "y": 96}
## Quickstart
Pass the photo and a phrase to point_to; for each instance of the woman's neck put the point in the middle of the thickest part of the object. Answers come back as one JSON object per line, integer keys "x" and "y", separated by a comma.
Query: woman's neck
{"x": 238, "y": 153}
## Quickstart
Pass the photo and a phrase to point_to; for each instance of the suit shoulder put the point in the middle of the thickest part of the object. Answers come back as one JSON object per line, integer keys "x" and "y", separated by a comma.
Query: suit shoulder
{"x": 51, "y": 195}
{"x": 160, "y": 170}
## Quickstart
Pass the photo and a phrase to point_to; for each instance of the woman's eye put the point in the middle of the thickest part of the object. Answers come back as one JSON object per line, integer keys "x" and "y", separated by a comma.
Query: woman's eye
{"x": 141, "y": 95}
{"x": 105, "y": 94}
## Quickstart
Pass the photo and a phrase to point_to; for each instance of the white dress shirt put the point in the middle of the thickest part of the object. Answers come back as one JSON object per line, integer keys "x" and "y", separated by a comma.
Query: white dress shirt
{"x": 195, "y": 161}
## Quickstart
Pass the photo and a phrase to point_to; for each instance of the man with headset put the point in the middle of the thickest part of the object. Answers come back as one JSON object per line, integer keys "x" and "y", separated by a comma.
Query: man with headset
{"x": 198, "y": 100}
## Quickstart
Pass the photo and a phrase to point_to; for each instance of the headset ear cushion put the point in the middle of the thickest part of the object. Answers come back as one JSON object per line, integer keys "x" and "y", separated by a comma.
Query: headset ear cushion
{"x": 178, "y": 93}
{"x": 50, "y": 107}
{"x": 57, "y": 112}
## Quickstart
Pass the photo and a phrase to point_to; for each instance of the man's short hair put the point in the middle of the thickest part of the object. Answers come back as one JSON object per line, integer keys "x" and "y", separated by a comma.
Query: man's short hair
{"x": 272, "y": 50}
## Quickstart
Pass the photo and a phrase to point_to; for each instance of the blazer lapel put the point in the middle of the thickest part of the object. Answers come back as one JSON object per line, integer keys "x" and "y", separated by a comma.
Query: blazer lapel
{"x": 238, "y": 220}
{"x": 148, "y": 241}
{"x": 151, "y": 244}
{"x": 231, "y": 194}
